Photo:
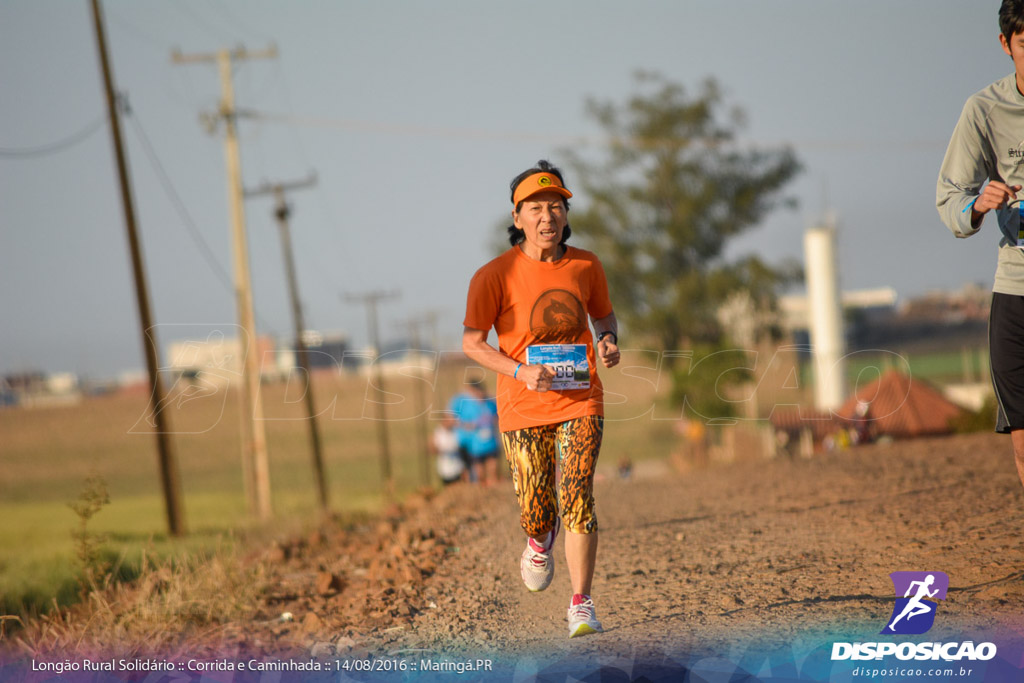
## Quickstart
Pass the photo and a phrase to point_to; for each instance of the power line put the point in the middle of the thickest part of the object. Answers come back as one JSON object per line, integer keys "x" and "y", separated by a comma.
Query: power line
{"x": 286, "y": 92}
{"x": 179, "y": 205}
{"x": 54, "y": 147}
{"x": 466, "y": 133}
{"x": 216, "y": 33}
{"x": 139, "y": 34}
{"x": 171, "y": 88}
{"x": 186, "y": 218}
{"x": 342, "y": 249}
{"x": 364, "y": 126}
{"x": 234, "y": 21}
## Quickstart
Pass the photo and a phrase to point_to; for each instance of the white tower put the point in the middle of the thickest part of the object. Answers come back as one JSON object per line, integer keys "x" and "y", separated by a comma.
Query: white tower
{"x": 826, "y": 315}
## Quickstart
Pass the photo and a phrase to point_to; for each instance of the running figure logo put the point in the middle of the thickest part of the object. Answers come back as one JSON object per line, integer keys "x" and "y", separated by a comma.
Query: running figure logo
{"x": 914, "y": 613}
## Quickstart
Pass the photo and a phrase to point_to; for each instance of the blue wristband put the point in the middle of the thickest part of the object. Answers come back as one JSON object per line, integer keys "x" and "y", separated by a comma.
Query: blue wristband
{"x": 515, "y": 375}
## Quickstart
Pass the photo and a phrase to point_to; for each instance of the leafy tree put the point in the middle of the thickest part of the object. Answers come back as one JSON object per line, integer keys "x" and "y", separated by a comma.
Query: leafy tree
{"x": 674, "y": 188}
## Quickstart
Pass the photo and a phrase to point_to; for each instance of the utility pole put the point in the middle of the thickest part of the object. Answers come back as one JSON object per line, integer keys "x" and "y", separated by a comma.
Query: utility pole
{"x": 412, "y": 328}
{"x": 255, "y": 465}
{"x": 282, "y": 211}
{"x": 429, "y": 318}
{"x": 170, "y": 478}
{"x": 371, "y": 299}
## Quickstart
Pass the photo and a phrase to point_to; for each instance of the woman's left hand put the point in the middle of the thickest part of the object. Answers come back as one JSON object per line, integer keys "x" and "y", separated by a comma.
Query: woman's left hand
{"x": 608, "y": 352}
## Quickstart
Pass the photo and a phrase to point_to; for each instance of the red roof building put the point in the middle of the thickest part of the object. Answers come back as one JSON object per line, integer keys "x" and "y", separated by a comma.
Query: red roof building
{"x": 902, "y": 407}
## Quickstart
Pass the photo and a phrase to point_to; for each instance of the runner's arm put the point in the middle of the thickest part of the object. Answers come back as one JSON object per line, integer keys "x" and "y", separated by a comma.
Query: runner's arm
{"x": 969, "y": 163}
{"x": 474, "y": 345}
{"x": 607, "y": 350}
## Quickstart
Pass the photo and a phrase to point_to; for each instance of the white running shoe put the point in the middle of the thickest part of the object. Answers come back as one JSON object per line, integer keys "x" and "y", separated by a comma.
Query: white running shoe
{"x": 583, "y": 619}
{"x": 538, "y": 568}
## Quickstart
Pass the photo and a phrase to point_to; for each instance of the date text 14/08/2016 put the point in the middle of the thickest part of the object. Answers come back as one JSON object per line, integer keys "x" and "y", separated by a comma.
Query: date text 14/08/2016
{"x": 459, "y": 667}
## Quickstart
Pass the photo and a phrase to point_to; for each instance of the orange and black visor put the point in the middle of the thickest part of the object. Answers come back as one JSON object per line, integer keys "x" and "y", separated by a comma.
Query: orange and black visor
{"x": 536, "y": 183}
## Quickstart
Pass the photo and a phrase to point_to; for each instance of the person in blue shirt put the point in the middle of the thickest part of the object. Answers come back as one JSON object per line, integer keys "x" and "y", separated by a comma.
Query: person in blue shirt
{"x": 477, "y": 418}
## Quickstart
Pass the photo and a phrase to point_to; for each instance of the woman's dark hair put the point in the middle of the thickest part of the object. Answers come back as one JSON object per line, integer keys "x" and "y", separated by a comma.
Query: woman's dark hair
{"x": 515, "y": 235}
{"x": 1011, "y": 18}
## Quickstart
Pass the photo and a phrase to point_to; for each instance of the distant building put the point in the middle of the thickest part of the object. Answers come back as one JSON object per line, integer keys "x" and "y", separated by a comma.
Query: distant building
{"x": 61, "y": 383}
{"x": 218, "y": 360}
{"x": 134, "y": 382}
{"x": 937, "y": 321}
{"x": 875, "y": 319}
{"x": 901, "y": 407}
{"x": 324, "y": 352}
{"x": 7, "y": 395}
{"x": 795, "y": 316}
{"x": 971, "y": 302}
{"x": 21, "y": 383}
{"x": 38, "y": 389}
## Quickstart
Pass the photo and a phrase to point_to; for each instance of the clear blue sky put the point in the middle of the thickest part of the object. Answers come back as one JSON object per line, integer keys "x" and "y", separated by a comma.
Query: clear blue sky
{"x": 415, "y": 115}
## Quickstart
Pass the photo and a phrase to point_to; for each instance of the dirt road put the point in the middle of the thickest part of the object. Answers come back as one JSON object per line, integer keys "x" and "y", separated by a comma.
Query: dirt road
{"x": 711, "y": 563}
{"x": 707, "y": 561}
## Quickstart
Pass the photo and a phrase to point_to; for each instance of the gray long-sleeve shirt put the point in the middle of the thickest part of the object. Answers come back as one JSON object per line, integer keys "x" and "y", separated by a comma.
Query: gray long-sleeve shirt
{"x": 987, "y": 144}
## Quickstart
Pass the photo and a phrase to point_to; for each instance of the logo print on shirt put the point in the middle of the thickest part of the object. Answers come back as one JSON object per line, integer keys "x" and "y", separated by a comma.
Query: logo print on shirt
{"x": 1016, "y": 156}
{"x": 557, "y": 317}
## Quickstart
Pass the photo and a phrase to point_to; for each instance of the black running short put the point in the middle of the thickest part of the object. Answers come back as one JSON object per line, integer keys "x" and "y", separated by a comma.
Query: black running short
{"x": 1006, "y": 358}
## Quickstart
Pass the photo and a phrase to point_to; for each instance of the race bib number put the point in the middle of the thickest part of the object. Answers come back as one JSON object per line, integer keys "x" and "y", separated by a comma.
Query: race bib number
{"x": 569, "y": 361}
{"x": 1020, "y": 225}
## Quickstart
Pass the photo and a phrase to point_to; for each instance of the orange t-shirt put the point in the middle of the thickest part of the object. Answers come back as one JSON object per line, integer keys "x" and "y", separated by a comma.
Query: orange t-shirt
{"x": 531, "y": 302}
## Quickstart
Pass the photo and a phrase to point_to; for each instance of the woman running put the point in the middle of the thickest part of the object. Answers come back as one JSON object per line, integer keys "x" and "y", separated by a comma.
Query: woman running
{"x": 538, "y": 297}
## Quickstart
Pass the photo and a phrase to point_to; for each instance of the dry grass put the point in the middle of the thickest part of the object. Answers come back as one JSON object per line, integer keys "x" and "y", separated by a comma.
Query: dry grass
{"x": 169, "y": 609}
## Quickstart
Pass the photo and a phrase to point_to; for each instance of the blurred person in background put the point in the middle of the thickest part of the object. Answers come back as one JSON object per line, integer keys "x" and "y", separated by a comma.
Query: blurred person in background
{"x": 477, "y": 416}
{"x": 444, "y": 444}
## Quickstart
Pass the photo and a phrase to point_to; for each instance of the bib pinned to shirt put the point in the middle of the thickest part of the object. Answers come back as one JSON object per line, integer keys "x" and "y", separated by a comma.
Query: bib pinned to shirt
{"x": 569, "y": 362}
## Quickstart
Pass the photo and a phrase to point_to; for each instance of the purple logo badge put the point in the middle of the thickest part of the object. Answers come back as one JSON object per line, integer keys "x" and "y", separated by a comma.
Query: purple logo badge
{"x": 916, "y": 596}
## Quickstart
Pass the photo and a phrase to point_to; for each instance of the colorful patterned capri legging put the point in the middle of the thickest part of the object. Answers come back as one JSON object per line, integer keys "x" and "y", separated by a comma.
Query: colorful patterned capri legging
{"x": 532, "y": 454}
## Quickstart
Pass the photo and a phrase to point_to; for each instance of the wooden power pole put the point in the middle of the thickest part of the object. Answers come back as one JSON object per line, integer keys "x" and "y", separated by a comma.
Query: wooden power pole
{"x": 412, "y": 327}
{"x": 282, "y": 211}
{"x": 371, "y": 299}
{"x": 170, "y": 478}
{"x": 255, "y": 464}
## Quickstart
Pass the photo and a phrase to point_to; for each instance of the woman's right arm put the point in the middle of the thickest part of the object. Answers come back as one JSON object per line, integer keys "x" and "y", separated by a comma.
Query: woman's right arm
{"x": 474, "y": 345}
